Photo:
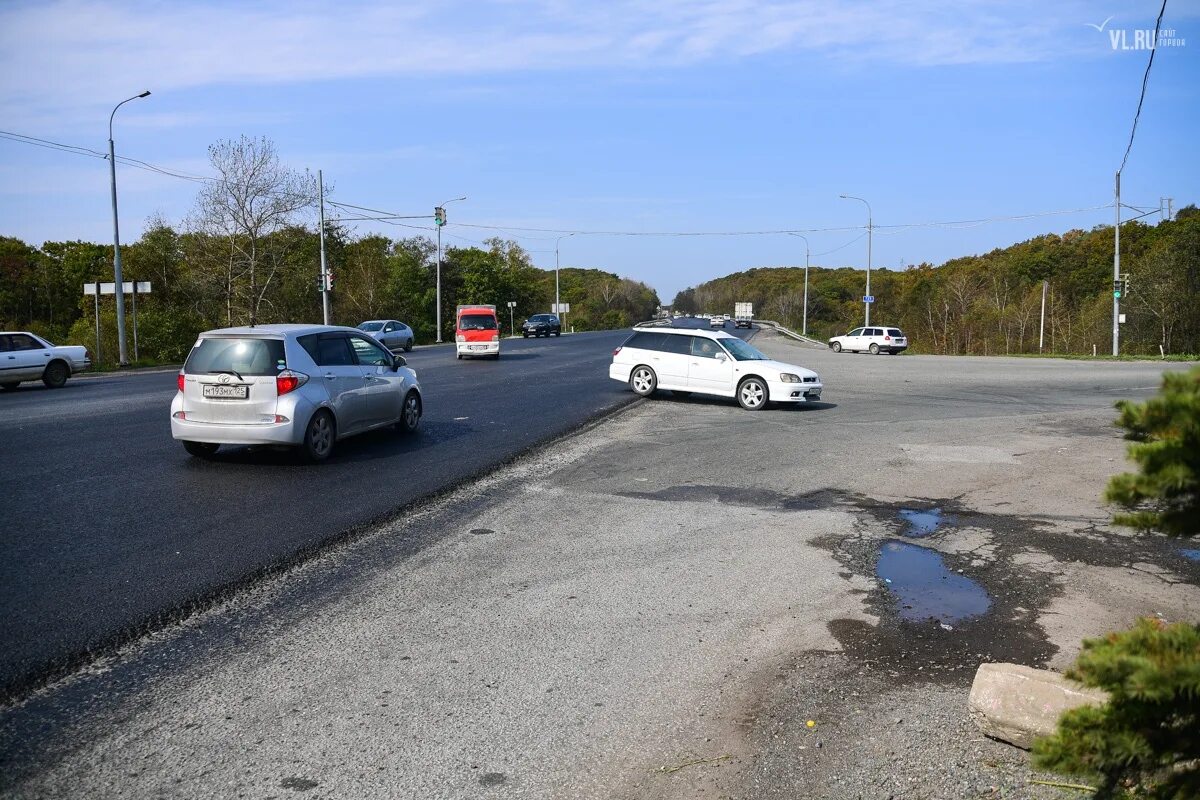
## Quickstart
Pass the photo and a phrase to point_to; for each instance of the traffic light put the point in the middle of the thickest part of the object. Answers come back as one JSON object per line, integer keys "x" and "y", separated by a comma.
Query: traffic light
{"x": 439, "y": 216}
{"x": 1117, "y": 288}
{"x": 330, "y": 274}
{"x": 1127, "y": 282}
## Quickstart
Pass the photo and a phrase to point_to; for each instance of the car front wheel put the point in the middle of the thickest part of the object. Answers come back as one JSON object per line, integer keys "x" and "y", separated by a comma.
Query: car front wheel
{"x": 56, "y": 375}
{"x": 643, "y": 381}
{"x": 752, "y": 394}
{"x": 874, "y": 349}
{"x": 410, "y": 415}
{"x": 836, "y": 347}
{"x": 408, "y": 346}
{"x": 319, "y": 437}
{"x": 8, "y": 386}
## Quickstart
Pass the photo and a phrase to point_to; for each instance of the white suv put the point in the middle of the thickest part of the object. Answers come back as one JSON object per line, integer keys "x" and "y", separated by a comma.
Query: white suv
{"x": 874, "y": 340}
{"x": 687, "y": 360}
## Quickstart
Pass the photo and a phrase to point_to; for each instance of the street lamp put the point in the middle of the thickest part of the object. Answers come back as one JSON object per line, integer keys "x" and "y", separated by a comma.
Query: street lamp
{"x": 870, "y": 227}
{"x": 557, "y": 310}
{"x": 442, "y": 209}
{"x": 122, "y": 356}
{"x": 804, "y": 329}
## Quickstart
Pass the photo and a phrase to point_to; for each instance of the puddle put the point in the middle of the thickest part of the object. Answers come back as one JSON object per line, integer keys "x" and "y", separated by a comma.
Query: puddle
{"x": 1194, "y": 555}
{"x": 921, "y": 523}
{"x": 924, "y": 588}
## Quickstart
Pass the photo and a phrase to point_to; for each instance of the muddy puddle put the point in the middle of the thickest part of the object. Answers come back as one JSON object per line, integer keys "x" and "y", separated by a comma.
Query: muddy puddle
{"x": 925, "y": 588}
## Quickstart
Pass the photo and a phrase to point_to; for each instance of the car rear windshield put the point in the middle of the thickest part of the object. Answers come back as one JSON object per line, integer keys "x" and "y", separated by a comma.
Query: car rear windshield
{"x": 895, "y": 332}
{"x": 241, "y": 356}
{"x": 477, "y": 322}
{"x": 370, "y": 326}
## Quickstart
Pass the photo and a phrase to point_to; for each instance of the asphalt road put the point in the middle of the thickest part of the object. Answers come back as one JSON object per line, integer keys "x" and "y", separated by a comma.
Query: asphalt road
{"x": 111, "y": 530}
{"x": 657, "y": 607}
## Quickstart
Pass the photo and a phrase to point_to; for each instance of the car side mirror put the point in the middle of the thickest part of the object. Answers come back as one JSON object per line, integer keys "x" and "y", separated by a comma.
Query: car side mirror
{"x": 398, "y": 362}
{"x": 721, "y": 357}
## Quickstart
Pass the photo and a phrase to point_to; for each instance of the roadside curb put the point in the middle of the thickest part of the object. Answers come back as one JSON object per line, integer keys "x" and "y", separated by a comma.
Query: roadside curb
{"x": 1017, "y": 704}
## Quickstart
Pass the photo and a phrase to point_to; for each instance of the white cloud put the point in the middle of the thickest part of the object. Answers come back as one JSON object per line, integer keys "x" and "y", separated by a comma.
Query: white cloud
{"x": 79, "y": 54}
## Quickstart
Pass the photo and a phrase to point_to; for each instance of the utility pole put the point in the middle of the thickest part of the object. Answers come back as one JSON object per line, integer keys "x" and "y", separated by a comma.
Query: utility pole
{"x": 118, "y": 278}
{"x": 324, "y": 265}
{"x": 439, "y": 221}
{"x": 870, "y": 229}
{"x": 1042, "y": 326}
{"x": 804, "y": 324}
{"x": 1116, "y": 329}
{"x": 557, "y": 303}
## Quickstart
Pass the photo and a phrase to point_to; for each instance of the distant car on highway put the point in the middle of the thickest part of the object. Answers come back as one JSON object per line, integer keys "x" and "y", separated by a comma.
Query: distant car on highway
{"x": 873, "y": 340}
{"x": 476, "y": 332}
{"x": 300, "y": 385}
{"x": 391, "y": 333}
{"x": 25, "y": 356}
{"x": 716, "y": 321}
{"x": 541, "y": 325}
{"x": 706, "y": 362}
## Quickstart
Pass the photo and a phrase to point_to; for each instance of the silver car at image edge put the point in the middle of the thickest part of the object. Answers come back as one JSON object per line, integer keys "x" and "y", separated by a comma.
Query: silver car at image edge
{"x": 25, "y": 356}
{"x": 305, "y": 386}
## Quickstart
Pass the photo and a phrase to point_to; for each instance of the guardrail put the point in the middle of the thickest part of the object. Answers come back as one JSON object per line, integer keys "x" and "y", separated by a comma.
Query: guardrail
{"x": 791, "y": 333}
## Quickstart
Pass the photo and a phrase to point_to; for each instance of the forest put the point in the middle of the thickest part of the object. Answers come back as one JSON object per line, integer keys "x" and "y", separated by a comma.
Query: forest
{"x": 992, "y": 304}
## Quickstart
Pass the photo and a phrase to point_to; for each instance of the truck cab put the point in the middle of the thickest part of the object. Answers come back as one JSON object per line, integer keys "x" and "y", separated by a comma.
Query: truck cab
{"x": 476, "y": 332}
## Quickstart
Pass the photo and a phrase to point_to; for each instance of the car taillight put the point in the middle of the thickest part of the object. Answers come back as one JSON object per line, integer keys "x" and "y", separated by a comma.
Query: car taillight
{"x": 288, "y": 381}
{"x": 179, "y": 381}
{"x": 616, "y": 351}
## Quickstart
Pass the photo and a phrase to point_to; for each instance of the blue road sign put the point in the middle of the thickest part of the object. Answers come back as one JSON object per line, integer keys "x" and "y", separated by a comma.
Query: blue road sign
{"x": 869, "y": 298}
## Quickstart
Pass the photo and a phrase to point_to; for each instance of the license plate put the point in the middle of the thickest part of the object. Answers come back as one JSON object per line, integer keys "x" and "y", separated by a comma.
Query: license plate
{"x": 479, "y": 347}
{"x": 222, "y": 391}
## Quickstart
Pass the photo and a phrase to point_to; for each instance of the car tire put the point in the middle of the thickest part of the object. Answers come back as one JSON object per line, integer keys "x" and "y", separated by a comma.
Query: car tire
{"x": 319, "y": 436}
{"x": 836, "y": 347}
{"x": 408, "y": 346}
{"x": 874, "y": 348}
{"x": 410, "y": 413}
{"x": 752, "y": 394}
{"x": 558, "y": 333}
{"x": 643, "y": 381}
{"x": 458, "y": 356}
{"x": 524, "y": 334}
{"x": 201, "y": 449}
{"x": 56, "y": 374}
{"x": 8, "y": 386}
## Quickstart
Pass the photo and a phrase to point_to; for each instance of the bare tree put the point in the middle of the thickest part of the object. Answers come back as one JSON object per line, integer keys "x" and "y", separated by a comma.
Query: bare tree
{"x": 253, "y": 197}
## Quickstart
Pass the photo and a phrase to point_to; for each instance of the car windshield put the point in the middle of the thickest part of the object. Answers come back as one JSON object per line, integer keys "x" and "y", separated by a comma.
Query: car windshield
{"x": 742, "y": 351}
{"x": 370, "y": 326}
{"x": 540, "y": 318}
{"x": 477, "y": 322}
{"x": 239, "y": 356}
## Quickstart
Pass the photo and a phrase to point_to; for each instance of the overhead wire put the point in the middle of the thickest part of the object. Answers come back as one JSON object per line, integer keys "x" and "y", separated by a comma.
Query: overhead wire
{"x": 1145, "y": 80}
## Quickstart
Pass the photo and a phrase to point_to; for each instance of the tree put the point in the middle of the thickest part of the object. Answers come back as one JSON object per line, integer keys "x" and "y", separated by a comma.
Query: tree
{"x": 253, "y": 197}
{"x": 1165, "y": 494}
{"x": 1145, "y": 741}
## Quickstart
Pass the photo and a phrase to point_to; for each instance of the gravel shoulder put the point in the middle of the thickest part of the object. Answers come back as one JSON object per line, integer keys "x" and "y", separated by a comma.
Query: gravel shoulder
{"x": 657, "y": 607}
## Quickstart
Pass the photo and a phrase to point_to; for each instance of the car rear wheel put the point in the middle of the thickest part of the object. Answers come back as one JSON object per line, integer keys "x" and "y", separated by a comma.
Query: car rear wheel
{"x": 558, "y": 333}
{"x": 201, "y": 449}
{"x": 319, "y": 437}
{"x": 678, "y": 393}
{"x": 643, "y": 381}
{"x": 836, "y": 347}
{"x": 8, "y": 386}
{"x": 410, "y": 415}
{"x": 752, "y": 394}
{"x": 874, "y": 349}
{"x": 56, "y": 375}
{"x": 408, "y": 346}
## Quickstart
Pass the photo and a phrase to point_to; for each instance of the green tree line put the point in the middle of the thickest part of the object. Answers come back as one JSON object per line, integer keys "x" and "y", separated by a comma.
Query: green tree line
{"x": 991, "y": 304}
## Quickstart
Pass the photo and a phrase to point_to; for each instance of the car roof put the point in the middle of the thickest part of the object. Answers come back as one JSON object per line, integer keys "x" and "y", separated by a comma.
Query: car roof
{"x": 277, "y": 331}
{"x": 365, "y": 321}
{"x": 692, "y": 332}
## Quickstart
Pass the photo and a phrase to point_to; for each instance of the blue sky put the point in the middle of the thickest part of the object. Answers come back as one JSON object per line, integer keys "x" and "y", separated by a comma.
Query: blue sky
{"x": 673, "y": 116}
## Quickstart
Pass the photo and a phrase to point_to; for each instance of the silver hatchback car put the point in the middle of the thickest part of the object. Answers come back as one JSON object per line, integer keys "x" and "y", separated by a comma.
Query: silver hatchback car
{"x": 300, "y": 385}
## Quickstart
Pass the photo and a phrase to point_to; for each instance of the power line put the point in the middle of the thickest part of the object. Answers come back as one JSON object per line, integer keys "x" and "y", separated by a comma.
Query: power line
{"x": 1145, "y": 79}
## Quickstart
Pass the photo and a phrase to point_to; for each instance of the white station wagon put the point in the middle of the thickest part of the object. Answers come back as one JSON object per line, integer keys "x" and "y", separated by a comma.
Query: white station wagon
{"x": 874, "y": 340}
{"x": 709, "y": 362}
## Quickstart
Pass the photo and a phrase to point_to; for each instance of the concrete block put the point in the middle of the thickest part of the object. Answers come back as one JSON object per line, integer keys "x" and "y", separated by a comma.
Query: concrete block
{"x": 1017, "y": 704}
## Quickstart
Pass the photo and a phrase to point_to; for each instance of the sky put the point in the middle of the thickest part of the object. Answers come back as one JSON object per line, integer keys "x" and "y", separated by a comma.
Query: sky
{"x": 628, "y": 123}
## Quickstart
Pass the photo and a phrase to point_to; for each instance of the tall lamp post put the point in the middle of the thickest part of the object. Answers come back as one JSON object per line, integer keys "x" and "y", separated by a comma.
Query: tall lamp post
{"x": 118, "y": 278}
{"x": 439, "y": 215}
{"x": 804, "y": 328}
{"x": 870, "y": 227}
{"x": 557, "y": 310}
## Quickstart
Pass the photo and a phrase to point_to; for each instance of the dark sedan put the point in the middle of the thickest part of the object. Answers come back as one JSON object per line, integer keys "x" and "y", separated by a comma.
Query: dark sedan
{"x": 541, "y": 325}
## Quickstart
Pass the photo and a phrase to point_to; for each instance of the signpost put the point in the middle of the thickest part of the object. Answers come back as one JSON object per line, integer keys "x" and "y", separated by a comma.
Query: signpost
{"x": 511, "y": 305}
{"x": 869, "y": 298}
{"x": 130, "y": 287}
{"x": 560, "y": 309}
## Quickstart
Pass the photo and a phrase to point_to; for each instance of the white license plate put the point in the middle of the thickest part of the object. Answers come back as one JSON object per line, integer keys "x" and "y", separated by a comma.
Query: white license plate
{"x": 222, "y": 391}
{"x": 479, "y": 347}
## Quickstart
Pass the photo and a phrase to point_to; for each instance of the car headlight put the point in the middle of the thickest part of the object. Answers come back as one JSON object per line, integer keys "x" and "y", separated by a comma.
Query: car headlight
{"x": 460, "y": 338}
{"x": 788, "y": 377}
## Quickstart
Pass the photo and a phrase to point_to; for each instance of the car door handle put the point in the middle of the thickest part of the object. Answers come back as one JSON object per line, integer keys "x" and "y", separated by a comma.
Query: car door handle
{"x": 329, "y": 376}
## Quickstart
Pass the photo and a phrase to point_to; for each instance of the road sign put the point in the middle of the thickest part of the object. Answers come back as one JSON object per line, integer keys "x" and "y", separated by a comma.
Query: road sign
{"x": 512, "y": 303}
{"x": 89, "y": 289}
{"x": 869, "y": 298}
{"x": 560, "y": 308}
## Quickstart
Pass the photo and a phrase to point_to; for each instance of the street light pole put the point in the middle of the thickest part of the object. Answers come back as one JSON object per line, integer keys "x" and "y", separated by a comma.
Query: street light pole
{"x": 804, "y": 327}
{"x": 870, "y": 228}
{"x": 439, "y": 269}
{"x": 118, "y": 278}
{"x": 557, "y": 303}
